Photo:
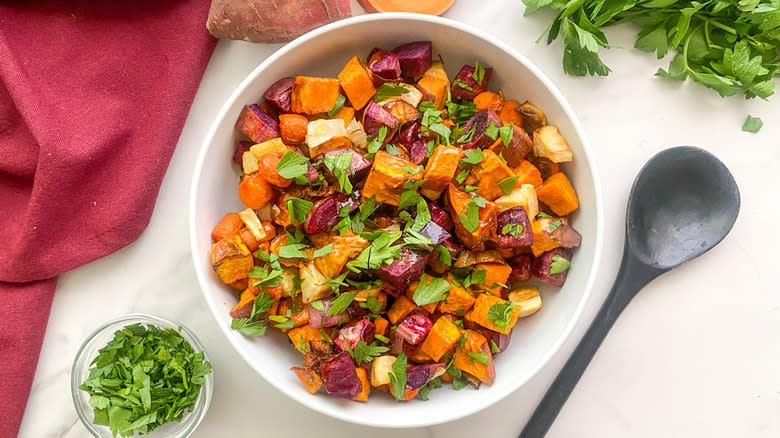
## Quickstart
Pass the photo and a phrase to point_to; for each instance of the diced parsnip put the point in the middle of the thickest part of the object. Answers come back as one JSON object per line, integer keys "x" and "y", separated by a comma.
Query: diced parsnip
{"x": 524, "y": 195}
{"x": 253, "y": 224}
{"x": 231, "y": 259}
{"x": 381, "y": 368}
{"x": 437, "y": 71}
{"x": 549, "y": 143}
{"x": 273, "y": 146}
{"x": 533, "y": 115}
{"x": 527, "y": 299}
{"x": 413, "y": 97}
{"x": 314, "y": 285}
{"x": 320, "y": 132}
{"x": 363, "y": 294}
{"x": 249, "y": 162}
{"x": 356, "y": 134}
{"x": 287, "y": 284}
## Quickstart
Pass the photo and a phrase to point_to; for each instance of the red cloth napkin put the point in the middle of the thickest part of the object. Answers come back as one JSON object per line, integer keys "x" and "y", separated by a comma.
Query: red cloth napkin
{"x": 93, "y": 97}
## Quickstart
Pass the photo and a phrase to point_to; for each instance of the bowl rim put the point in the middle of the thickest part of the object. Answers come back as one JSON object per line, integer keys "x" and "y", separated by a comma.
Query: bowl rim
{"x": 506, "y": 390}
{"x": 207, "y": 389}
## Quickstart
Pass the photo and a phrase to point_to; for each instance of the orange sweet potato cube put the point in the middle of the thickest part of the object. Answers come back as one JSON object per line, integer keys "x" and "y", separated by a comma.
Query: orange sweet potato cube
{"x": 490, "y": 172}
{"x": 458, "y": 301}
{"x": 476, "y": 344}
{"x": 345, "y": 114}
{"x": 443, "y": 336}
{"x": 480, "y": 313}
{"x": 357, "y": 83}
{"x": 486, "y": 229}
{"x": 301, "y": 336}
{"x": 311, "y": 380}
{"x": 543, "y": 242}
{"x": 364, "y": 385}
{"x": 440, "y": 170}
{"x": 387, "y": 178}
{"x": 433, "y": 89}
{"x": 494, "y": 273}
{"x": 400, "y": 309}
{"x": 528, "y": 174}
{"x": 430, "y": 308}
{"x": 558, "y": 194}
{"x": 314, "y": 95}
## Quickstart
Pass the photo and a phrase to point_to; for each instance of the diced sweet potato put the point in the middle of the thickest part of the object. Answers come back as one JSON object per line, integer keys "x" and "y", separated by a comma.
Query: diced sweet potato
{"x": 457, "y": 202}
{"x": 528, "y": 174}
{"x": 458, "y": 301}
{"x": 509, "y": 114}
{"x": 440, "y": 170}
{"x": 333, "y": 263}
{"x": 415, "y": 58}
{"x": 400, "y": 273}
{"x": 488, "y": 99}
{"x": 413, "y": 96}
{"x": 430, "y": 308}
{"x": 365, "y": 386}
{"x": 319, "y": 134}
{"x": 433, "y": 89}
{"x": 311, "y": 380}
{"x": 231, "y": 259}
{"x": 244, "y": 307}
{"x": 400, "y": 309}
{"x": 542, "y": 265}
{"x": 490, "y": 172}
{"x": 384, "y": 66}
{"x": 293, "y": 128}
{"x": 496, "y": 274}
{"x": 515, "y": 151}
{"x": 254, "y": 191}
{"x": 402, "y": 111}
{"x": 381, "y": 325}
{"x": 298, "y": 313}
{"x": 374, "y": 117}
{"x": 471, "y": 88}
{"x": 514, "y": 228}
{"x": 475, "y": 127}
{"x": 226, "y": 227}
{"x": 527, "y": 299}
{"x": 477, "y": 344}
{"x": 314, "y": 95}
{"x": 256, "y": 124}
{"x": 387, "y": 178}
{"x": 345, "y": 114}
{"x": 301, "y": 336}
{"x": 440, "y": 340}
{"x": 549, "y": 143}
{"x": 356, "y": 83}
{"x": 543, "y": 240}
{"x": 280, "y": 94}
{"x": 479, "y": 314}
{"x": 558, "y": 194}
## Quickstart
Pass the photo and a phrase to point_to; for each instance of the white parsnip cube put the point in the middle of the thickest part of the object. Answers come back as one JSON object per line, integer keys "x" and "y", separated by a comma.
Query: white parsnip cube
{"x": 356, "y": 134}
{"x": 437, "y": 71}
{"x": 249, "y": 163}
{"x": 413, "y": 97}
{"x": 549, "y": 143}
{"x": 253, "y": 224}
{"x": 273, "y": 146}
{"x": 321, "y": 131}
{"x": 314, "y": 285}
{"x": 527, "y": 299}
{"x": 381, "y": 368}
{"x": 524, "y": 195}
{"x": 288, "y": 280}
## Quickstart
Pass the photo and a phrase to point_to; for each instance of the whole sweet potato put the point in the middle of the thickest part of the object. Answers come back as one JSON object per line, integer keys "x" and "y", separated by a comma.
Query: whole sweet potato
{"x": 272, "y": 21}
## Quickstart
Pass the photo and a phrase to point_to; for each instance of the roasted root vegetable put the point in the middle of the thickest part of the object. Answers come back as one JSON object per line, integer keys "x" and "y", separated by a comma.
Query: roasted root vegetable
{"x": 392, "y": 219}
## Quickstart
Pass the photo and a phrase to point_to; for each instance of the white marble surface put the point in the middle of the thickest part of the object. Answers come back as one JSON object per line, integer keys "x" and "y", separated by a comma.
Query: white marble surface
{"x": 695, "y": 355}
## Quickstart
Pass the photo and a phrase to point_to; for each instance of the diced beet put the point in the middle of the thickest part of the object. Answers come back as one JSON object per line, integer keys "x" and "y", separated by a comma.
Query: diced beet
{"x": 411, "y": 137}
{"x": 325, "y": 213}
{"x": 521, "y": 268}
{"x": 374, "y": 117}
{"x": 419, "y": 375}
{"x": 241, "y": 147}
{"x": 384, "y": 66}
{"x": 519, "y": 146}
{"x": 399, "y": 344}
{"x": 280, "y": 94}
{"x": 312, "y": 175}
{"x": 501, "y": 341}
{"x": 440, "y": 216}
{"x": 567, "y": 236}
{"x": 454, "y": 247}
{"x": 256, "y": 124}
{"x": 540, "y": 267}
{"x": 363, "y": 330}
{"x": 340, "y": 376}
{"x": 320, "y": 318}
{"x": 479, "y": 123}
{"x": 402, "y": 272}
{"x": 435, "y": 232}
{"x": 466, "y": 75}
{"x": 517, "y": 217}
{"x": 415, "y": 58}
{"x": 414, "y": 328}
{"x": 360, "y": 166}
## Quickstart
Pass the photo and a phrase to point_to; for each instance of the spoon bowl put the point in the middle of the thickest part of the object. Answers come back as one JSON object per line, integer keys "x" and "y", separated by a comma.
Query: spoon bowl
{"x": 683, "y": 203}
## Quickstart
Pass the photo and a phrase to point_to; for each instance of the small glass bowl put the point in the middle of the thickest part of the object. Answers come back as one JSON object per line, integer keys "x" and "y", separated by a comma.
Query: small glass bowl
{"x": 98, "y": 339}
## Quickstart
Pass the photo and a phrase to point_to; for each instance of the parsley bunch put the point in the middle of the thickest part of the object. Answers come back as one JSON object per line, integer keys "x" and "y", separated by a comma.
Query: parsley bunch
{"x": 145, "y": 377}
{"x": 727, "y": 45}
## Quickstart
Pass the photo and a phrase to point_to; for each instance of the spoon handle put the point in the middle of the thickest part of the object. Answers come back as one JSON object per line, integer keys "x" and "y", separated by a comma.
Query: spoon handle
{"x": 632, "y": 276}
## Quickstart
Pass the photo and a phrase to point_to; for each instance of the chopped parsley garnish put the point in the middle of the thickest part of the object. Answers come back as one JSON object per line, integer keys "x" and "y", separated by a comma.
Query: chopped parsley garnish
{"x": 500, "y": 314}
{"x": 298, "y": 209}
{"x": 506, "y": 132}
{"x": 337, "y": 107}
{"x": 363, "y": 352}
{"x": 341, "y": 303}
{"x": 426, "y": 390}
{"x": 444, "y": 255}
{"x": 554, "y": 224}
{"x": 752, "y": 124}
{"x": 472, "y": 156}
{"x": 491, "y": 131}
{"x": 325, "y": 250}
{"x": 381, "y": 250}
{"x": 389, "y": 90}
{"x": 340, "y": 165}
{"x": 293, "y": 251}
{"x": 479, "y": 73}
{"x": 398, "y": 376}
{"x": 494, "y": 348}
{"x": 462, "y": 84}
{"x": 513, "y": 230}
{"x": 375, "y": 143}
{"x": 432, "y": 291}
{"x": 292, "y": 165}
{"x": 508, "y": 184}
{"x": 558, "y": 265}
{"x": 392, "y": 150}
{"x": 480, "y": 357}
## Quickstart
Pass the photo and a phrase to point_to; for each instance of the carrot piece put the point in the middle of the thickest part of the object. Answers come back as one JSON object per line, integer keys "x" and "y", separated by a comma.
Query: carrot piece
{"x": 458, "y": 301}
{"x": 433, "y": 89}
{"x": 439, "y": 171}
{"x": 487, "y": 99}
{"x": 314, "y": 95}
{"x": 479, "y": 314}
{"x": 558, "y": 194}
{"x": 387, "y": 178}
{"x": 478, "y": 344}
{"x": 346, "y": 113}
{"x": 255, "y": 191}
{"x": 543, "y": 242}
{"x": 489, "y": 173}
{"x": 301, "y": 316}
{"x": 311, "y": 380}
{"x": 356, "y": 83}
{"x": 528, "y": 174}
{"x": 226, "y": 227}
{"x": 267, "y": 167}
{"x": 509, "y": 114}
{"x": 443, "y": 336}
{"x": 495, "y": 273}
{"x": 365, "y": 387}
{"x": 400, "y": 309}
{"x": 301, "y": 336}
{"x": 293, "y": 128}
{"x": 381, "y": 325}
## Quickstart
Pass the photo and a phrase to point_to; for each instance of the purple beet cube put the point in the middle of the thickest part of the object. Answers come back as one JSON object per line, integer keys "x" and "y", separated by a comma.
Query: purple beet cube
{"x": 412, "y": 138}
{"x": 374, "y": 117}
{"x": 514, "y": 228}
{"x": 360, "y": 166}
{"x": 384, "y": 67}
{"x": 363, "y": 330}
{"x": 419, "y": 375}
{"x": 325, "y": 213}
{"x": 542, "y": 266}
{"x": 471, "y": 88}
{"x": 441, "y": 217}
{"x": 280, "y": 94}
{"x": 414, "y": 328}
{"x": 241, "y": 147}
{"x": 415, "y": 58}
{"x": 435, "y": 232}
{"x": 402, "y": 272}
{"x": 256, "y": 124}
{"x": 340, "y": 376}
{"x": 479, "y": 123}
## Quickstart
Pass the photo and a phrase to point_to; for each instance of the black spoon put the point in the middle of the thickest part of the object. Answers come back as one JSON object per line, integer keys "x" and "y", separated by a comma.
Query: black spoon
{"x": 683, "y": 203}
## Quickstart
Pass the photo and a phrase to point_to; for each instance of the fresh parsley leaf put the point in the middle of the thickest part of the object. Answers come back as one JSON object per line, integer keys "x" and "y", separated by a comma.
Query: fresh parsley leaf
{"x": 375, "y": 143}
{"x": 558, "y": 265}
{"x": 506, "y": 132}
{"x": 479, "y": 74}
{"x": 472, "y": 156}
{"x": 298, "y": 209}
{"x": 292, "y": 165}
{"x": 508, "y": 184}
{"x": 444, "y": 255}
{"x": 337, "y": 107}
{"x": 470, "y": 220}
{"x": 554, "y": 224}
{"x": 381, "y": 250}
{"x": 374, "y": 305}
{"x": 392, "y": 150}
{"x": 469, "y": 189}
{"x": 543, "y": 215}
{"x": 384, "y": 339}
{"x": 432, "y": 291}
{"x": 325, "y": 250}
{"x": 461, "y": 112}
{"x": 415, "y": 238}
{"x": 480, "y": 357}
{"x": 426, "y": 390}
{"x": 389, "y": 90}
{"x": 341, "y": 165}
{"x": 462, "y": 174}
{"x": 494, "y": 348}
{"x": 293, "y": 251}
{"x": 282, "y": 322}
{"x": 318, "y": 305}
{"x": 363, "y": 352}
{"x": 398, "y": 376}
{"x": 462, "y": 84}
{"x": 458, "y": 381}
{"x": 513, "y": 230}
{"x": 491, "y": 131}
{"x": 752, "y": 124}
{"x": 500, "y": 314}
{"x": 467, "y": 136}
{"x": 408, "y": 198}
{"x": 341, "y": 303}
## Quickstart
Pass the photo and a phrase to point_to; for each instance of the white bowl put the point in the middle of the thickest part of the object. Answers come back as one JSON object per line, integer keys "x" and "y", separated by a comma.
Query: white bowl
{"x": 324, "y": 52}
